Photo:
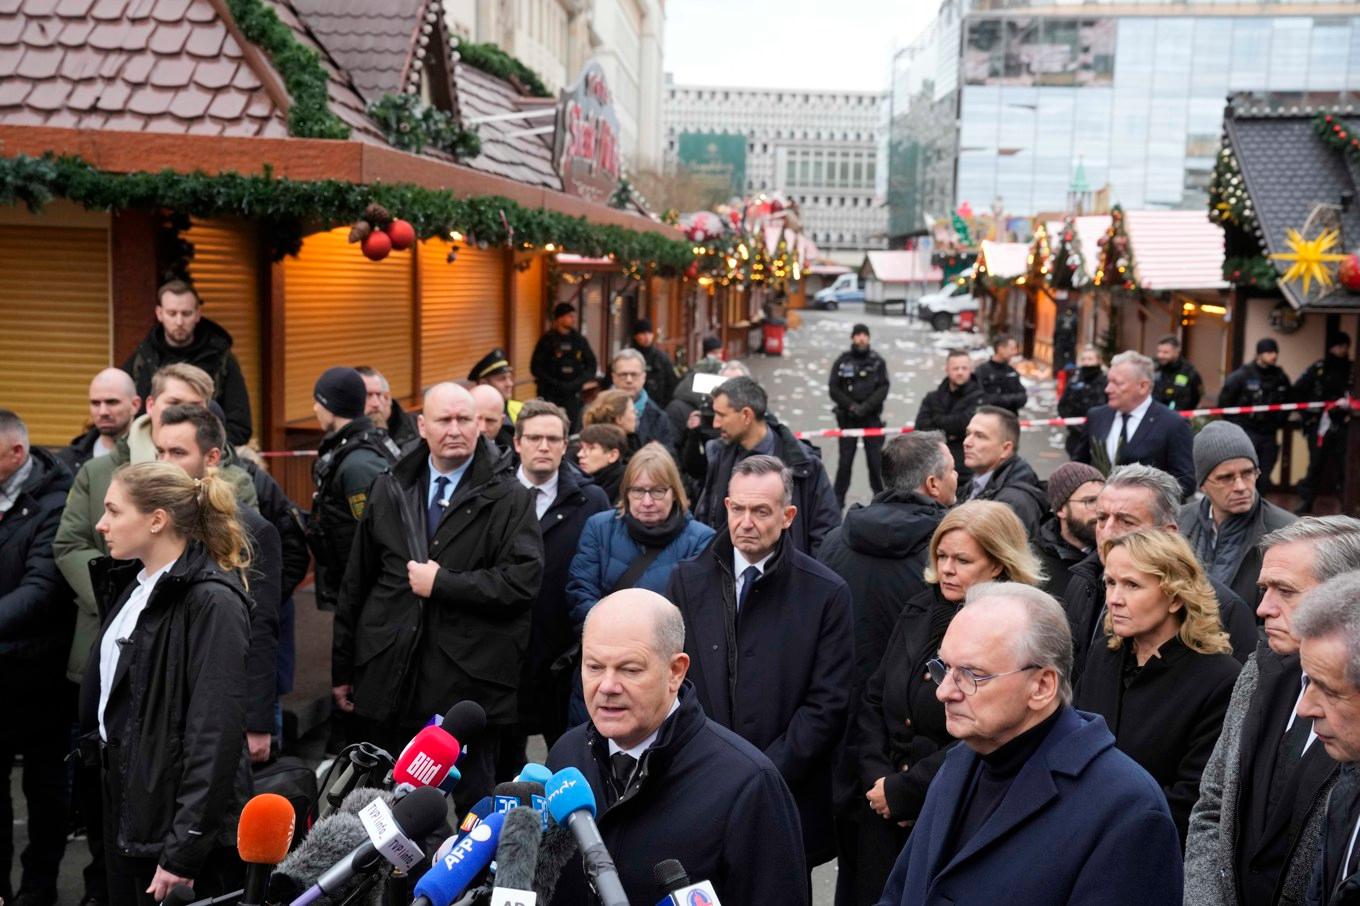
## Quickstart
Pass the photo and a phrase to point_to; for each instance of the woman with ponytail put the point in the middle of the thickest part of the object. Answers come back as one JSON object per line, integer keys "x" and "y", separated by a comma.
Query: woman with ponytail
{"x": 162, "y": 704}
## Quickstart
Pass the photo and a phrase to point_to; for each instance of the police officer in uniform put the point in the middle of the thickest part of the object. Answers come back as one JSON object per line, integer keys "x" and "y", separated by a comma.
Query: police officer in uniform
{"x": 1329, "y": 378}
{"x": 354, "y": 452}
{"x": 494, "y": 368}
{"x": 1178, "y": 385}
{"x": 1259, "y": 383}
{"x": 859, "y": 385}
{"x": 563, "y": 362}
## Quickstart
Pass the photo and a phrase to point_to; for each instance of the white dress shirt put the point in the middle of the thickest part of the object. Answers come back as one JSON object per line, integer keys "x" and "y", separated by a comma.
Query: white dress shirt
{"x": 1293, "y": 715}
{"x": 740, "y": 563}
{"x": 1135, "y": 419}
{"x": 544, "y": 494}
{"x": 454, "y": 477}
{"x": 119, "y": 631}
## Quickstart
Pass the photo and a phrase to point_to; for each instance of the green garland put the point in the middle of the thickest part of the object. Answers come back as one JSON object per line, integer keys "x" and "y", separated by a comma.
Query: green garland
{"x": 288, "y": 208}
{"x": 492, "y": 60}
{"x": 1335, "y": 134}
{"x": 1251, "y": 270}
{"x": 301, "y": 69}
{"x": 411, "y": 125}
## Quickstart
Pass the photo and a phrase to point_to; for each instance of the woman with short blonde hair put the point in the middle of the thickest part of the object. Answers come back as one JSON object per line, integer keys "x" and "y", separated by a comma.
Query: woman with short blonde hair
{"x": 1164, "y": 676}
{"x": 998, "y": 533}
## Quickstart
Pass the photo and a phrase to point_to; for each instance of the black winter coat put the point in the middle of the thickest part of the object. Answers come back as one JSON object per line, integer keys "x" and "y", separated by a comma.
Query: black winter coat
{"x": 550, "y": 634}
{"x": 37, "y": 608}
{"x": 1084, "y": 391}
{"x": 653, "y": 425}
{"x": 79, "y": 451}
{"x": 1015, "y": 484}
{"x": 818, "y": 512}
{"x": 1001, "y": 385}
{"x": 859, "y": 386}
{"x": 949, "y": 409}
{"x": 1331, "y": 884}
{"x": 701, "y": 794}
{"x": 1057, "y": 556}
{"x": 1328, "y": 378}
{"x": 266, "y": 599}
{"x": 409, "y": 657}
{"x": 661, "y": 379}
{"x": 1084, "y": 602}
{"x": 881, "y": 551}
{"x": 779, "y": 673}
{"x": 1179, "y": 387}
{"x": 1256, "y": 385}
{"x": 561, "y": 364}
{"x": 287, "y": 519}
{"x": 176, "y": 715}
{"x": 1167, "y": 718}
{"x": 900, "y": 725}
{"x": 211, "y": 351}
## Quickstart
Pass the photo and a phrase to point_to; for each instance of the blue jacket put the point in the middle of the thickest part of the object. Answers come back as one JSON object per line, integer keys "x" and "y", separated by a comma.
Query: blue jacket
{"x": 1081, "y": 824}
{"x": 605, "y": 550}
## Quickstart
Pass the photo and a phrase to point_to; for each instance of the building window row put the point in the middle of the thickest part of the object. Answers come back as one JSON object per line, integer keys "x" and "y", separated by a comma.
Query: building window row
{"x": 833, "y": 169}
{"x": 763, "y": 97}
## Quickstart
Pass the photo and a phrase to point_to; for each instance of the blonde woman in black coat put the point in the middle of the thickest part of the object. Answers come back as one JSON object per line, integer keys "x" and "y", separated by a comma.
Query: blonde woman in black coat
{"x": 1163, "y": 676}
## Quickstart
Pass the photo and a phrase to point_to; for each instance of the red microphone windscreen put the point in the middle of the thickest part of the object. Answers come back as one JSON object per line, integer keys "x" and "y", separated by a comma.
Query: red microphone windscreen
{"x": 427, "y": 758}
{"x": 265, "y": 830}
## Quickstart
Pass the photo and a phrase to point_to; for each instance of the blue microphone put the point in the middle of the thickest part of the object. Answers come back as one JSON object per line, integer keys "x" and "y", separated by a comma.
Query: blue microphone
{"x": 461, "y": 865}
{"x": 571, "y": 802}
{"x": 534, "y": 772}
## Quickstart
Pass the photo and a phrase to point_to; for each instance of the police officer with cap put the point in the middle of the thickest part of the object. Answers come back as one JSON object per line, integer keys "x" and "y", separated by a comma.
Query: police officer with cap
{"x": 859, "y": 385}
{"x": 353, "y": 453}
{"x": 495, "y": 369}
{"x": 1259, "y": 383}
{"x": 563, "y": 362}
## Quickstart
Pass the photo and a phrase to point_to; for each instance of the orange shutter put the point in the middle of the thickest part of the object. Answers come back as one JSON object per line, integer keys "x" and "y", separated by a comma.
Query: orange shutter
{"x": 226, "y": 272}
{"x": 529, "y": 324}
{"x": 55, "y": 334}
{"x": 462, "y": 309}
{"x": 342, "y": 309}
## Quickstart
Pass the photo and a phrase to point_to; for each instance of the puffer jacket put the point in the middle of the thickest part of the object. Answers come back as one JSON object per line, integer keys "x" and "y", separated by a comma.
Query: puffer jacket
{"x": 210, "y": 350}
{"x": 36, "y": 609}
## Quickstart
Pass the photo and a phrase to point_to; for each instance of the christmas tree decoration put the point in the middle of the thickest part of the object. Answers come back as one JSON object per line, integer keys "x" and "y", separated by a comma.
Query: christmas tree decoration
{"x": 1309, "y": 258}
{"x": 402, "y": 234}
{"x": 1115, "y": 266}
{"x": 1068, "y": 271}
{"x": 377, "y": 245}
{"x": 1348, "y": 273}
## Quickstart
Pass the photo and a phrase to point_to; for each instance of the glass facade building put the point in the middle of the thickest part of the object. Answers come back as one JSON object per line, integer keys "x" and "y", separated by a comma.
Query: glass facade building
{"x": 999, "y": 100}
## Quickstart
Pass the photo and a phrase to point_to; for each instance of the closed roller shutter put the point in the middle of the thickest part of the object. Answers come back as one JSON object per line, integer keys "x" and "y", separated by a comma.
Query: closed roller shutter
{"x": 56, "y": 325}
{"x": 226, "y": 273}
{"x": 342, "y": 309}
{"x": 462, "y": 309}
{"x": 529, "y": 326}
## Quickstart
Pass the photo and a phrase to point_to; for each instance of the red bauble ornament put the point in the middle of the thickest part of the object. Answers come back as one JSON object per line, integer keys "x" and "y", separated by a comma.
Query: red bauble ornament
{"x": 693, "y": 270}
{"x": 377, "y": 246}
{"x": 1348, "y": 273}
{"x": 402, "y": 234}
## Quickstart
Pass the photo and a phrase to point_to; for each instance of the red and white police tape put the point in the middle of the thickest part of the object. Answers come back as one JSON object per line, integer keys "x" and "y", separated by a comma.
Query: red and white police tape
{"x": 1024, "y": 422}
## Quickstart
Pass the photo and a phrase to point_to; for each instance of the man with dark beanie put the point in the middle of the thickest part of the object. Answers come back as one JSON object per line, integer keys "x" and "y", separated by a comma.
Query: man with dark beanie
{"x": 1226, "y": 525}
{"x": 859, "y": 386}
{"x": 563, "y": 363}
{"x": 1259, "y": 383}
{"x": 661, "y": 379}
{"x": 1070, "y": 536}
{"x": 1329, "y": 378}
{"x": 352, "y": 454}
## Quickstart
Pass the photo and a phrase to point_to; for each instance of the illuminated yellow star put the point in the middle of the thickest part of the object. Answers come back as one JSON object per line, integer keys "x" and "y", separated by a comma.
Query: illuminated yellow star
{"x": 1308, "y": 258}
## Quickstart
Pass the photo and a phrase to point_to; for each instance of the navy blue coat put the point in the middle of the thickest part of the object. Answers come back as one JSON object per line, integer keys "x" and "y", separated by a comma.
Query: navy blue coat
{"x": 1163, "y": 440}
{"x": 605, "y": 551}
{"x": 781, "y": 674}
{"x": 1081, "y": 824}
{"x": 700, "y": 794}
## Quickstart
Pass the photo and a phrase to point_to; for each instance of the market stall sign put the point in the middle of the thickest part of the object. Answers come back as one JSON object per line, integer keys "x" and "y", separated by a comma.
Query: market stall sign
{"x": 588, "y": 153}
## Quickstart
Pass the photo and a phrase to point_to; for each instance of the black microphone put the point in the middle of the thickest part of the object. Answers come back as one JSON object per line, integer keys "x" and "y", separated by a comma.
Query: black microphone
{"x": 465, "y": 722}
{"x": 331, "y": 838}
{"x": 391, "y": 836}
{"x": 517, "y": 858}
{"x": 556, "y": 850}
{"x": 572, "y": 802}
{"x": 678, "y": 889}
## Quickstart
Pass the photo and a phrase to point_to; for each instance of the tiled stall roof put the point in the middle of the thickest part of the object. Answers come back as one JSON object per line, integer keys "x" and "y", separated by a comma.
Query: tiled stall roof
{"x": 133, "y": 65}
{"x": 523, "y": 158}
{"x": 345, "y": 100}
{"x": 371, "y": 41}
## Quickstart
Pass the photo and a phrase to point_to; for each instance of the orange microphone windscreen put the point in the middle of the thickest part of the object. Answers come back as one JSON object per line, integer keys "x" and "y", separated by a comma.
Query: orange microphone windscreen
{"x": 265, "y": 830}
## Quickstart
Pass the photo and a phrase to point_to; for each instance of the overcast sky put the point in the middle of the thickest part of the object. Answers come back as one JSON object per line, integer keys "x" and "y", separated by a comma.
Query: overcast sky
{"x": 844, "y": 45}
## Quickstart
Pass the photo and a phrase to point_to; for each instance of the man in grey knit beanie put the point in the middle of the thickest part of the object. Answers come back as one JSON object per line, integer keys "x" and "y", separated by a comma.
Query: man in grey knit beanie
{"x": 1226, "y": 524}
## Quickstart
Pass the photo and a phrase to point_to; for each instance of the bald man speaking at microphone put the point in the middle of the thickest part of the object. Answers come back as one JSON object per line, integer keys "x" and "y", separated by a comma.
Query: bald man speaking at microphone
{"x": 437, "y": 597}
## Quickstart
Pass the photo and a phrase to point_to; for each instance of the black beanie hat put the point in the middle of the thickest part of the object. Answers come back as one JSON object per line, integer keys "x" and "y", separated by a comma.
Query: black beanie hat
{"x": 341, "y": 390}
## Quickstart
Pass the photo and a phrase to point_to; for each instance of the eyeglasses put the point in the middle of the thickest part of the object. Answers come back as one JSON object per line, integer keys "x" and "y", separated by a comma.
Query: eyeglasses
{"x": 537, "y": 440}
{"x": 627, "y": 374}
{"x": 964, "y": 678}
{"x": 1246, "y": 476}
{"x": 657, "y": 494}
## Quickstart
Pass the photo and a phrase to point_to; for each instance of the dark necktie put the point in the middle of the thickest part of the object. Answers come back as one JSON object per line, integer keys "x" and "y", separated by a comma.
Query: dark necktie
{"x": 1123, "y": 438}
{"x": 438, "y": 504}
{"x": 749, "y": 575}
{"x": 1287, "y": 757}
{"x": 622, "y": 765}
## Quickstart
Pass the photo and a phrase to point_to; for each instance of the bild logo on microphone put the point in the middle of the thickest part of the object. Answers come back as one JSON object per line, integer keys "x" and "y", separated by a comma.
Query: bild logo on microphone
{"x": 424, "y": 768}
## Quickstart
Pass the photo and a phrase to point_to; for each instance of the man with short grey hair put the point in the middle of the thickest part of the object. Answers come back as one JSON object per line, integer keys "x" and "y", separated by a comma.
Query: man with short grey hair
{"x": 880, "y": 550}
{"x": 1135, "y": 428}
{"x": 771, "y": 642}
{"x": 1139, "y": 497}
{"x": 628, "y": 371}
{"x": 1254, "y": 833}
{"x": 1034, "y": 783}
{"x": 661, "y": 771}
{"x": 1327, "y": 624}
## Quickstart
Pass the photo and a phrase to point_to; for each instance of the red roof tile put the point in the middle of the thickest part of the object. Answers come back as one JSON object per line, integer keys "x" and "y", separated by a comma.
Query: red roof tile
{"x": 206, "y": 40}
{"x": 74, "y": 8}
{"x": 76, "y": 32}
{"x": 39, "y": 63}
{"x": 170, "y": 38}
{"x": 103, "y": 9}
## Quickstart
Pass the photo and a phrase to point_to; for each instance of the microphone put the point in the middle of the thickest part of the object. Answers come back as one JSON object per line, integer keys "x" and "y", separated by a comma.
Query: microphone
{"x": 671, "y": 877}
{"x": 330, "y": 840}
{"x": 263, "y": 835}
{"x": 391, "y": 835}
{"x": 517, "y": 858}
{"x": 556, "y": 850}
{"x": 455, "y": 872}
{"x": 465, "y": 722}
{"x": 514, "y": 793}
{"x": 535, "y": 773}
{"x": 572, "y": 803}
{"x": 427, "y": 759}
{"x": 366, "y": 764}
